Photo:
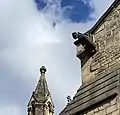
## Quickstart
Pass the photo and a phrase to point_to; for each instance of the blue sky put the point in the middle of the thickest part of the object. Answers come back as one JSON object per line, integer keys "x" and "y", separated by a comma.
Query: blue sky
{"x": 29, "y": 40}
{"x": 75, "y": 10}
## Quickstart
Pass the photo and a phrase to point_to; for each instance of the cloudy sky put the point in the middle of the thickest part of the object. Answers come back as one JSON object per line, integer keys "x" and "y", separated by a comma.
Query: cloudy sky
{"x": 35, "y": 33}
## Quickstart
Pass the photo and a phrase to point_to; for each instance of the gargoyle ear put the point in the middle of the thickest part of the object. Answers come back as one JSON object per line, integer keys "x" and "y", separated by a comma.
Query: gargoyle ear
{"x": 74, "y": 35}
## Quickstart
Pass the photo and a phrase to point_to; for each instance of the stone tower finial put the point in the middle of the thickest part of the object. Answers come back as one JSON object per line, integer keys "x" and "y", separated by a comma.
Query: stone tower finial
{"x": 43, "y": 70}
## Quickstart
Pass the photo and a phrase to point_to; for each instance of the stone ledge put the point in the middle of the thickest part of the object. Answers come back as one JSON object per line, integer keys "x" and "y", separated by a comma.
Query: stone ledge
{"x": 91, "y": 102}
{"x": 102, "y": 87}
{"x": 101, "y": 83}
{"x": 110, "y": 72}
{"x": 96, "y": 91}
{"x": 94, "y": 94}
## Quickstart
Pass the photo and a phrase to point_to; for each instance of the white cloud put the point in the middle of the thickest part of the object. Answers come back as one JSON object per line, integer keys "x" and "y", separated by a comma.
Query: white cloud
{"x": 13, "y": 110}
{"x": 28, "y": 40}
{"x": 100, "y": 7}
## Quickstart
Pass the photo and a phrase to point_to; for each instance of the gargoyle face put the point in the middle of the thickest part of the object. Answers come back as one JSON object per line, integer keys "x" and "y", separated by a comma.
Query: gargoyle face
{"x": 80, "y": 49}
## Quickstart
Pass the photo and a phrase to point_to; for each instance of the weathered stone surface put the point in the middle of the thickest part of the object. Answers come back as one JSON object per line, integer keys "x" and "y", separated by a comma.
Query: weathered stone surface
{"x": 94, "y": 92}
{"x": 41, "y": 102}
{"x": 111, "y": 109}
{"x": 107, "y": 40}
{"x": 100, "y": 90}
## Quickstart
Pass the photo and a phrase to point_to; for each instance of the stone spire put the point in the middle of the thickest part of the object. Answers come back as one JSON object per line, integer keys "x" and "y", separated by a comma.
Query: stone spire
{"x": 42, "y": 90}
{"x": 41, "y": 102}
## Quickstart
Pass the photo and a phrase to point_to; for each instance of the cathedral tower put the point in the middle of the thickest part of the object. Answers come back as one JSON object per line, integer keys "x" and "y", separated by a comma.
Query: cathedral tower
{"x": 41, "y": 102}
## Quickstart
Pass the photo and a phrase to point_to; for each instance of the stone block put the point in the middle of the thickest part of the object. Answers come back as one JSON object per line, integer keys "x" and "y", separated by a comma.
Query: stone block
{"x": 115, "y": 112}
{"x": 111, "y": 109}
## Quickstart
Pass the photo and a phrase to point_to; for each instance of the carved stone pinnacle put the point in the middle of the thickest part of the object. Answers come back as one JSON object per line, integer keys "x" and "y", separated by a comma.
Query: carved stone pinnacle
{"x": 43, "y": 70}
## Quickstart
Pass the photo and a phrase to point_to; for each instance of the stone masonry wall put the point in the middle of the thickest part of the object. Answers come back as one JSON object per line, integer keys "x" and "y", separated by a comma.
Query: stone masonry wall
{"x": 107, "y": 39}
{"x": 109, "y": 107}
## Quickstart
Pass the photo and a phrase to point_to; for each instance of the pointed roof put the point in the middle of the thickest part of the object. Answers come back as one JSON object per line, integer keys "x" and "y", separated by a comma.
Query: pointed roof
{"x": 42, "y": 91}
